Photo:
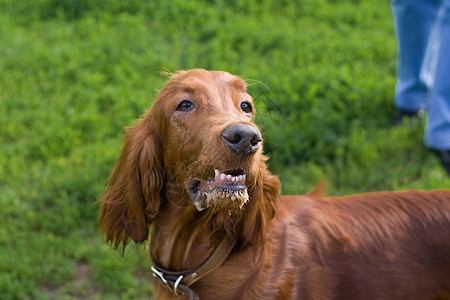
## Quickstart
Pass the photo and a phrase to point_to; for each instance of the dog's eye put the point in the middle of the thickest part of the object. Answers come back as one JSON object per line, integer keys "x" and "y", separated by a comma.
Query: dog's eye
{"x": 185, "y": 105}
{"x": 246, "y": 107}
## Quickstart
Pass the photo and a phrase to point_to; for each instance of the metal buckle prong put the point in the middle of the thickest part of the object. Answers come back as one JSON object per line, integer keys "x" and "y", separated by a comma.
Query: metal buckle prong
{"x": 175, "y": 286}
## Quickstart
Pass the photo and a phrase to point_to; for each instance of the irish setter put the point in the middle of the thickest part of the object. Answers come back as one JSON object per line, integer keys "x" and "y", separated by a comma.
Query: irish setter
{"x": 193, "y": 171}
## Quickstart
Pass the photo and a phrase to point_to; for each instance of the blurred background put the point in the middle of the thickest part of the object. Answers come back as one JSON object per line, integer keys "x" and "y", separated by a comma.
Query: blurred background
{"x": 73, "y": 73}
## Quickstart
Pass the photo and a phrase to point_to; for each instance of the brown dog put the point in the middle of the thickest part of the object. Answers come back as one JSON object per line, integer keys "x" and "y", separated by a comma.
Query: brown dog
{"x": 193, "y": 167}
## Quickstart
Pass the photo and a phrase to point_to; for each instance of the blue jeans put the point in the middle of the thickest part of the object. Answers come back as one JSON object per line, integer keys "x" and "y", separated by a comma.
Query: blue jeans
{"x": 423, "y": 71}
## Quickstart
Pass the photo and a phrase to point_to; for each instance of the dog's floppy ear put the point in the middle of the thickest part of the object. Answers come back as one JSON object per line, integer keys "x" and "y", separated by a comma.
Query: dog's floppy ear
{"x": 263, "y": 197}
{"x": 132, "y": 195}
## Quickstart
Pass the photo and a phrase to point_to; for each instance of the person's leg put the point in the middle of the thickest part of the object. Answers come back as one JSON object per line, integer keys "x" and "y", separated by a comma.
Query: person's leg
{"x": 413, "y": 21}
{"x": 437, "y": 133}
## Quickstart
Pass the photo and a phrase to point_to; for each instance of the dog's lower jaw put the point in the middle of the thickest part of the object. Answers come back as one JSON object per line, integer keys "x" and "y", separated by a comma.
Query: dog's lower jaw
{"x": 223, "y": 190}
{"x": 221, "y": 198}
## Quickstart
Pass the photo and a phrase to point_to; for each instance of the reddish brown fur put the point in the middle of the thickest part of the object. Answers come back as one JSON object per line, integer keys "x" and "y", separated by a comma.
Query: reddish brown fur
{"x": 390, "y": 245}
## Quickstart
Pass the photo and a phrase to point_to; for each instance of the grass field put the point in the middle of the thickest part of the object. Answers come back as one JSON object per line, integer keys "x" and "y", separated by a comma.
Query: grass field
{"x": 73, "y": 73}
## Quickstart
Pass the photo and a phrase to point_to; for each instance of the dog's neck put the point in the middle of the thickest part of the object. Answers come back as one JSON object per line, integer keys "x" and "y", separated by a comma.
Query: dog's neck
{"x": 183, "y": 237}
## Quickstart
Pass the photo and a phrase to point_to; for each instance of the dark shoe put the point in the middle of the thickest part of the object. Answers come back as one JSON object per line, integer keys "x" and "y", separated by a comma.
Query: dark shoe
{"x": 444, "y": 156}
{"x": 400, "y": 114}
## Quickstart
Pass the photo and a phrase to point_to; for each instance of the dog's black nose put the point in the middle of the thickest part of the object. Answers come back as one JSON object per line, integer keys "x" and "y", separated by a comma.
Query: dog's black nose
{"x": 242, "y": 139}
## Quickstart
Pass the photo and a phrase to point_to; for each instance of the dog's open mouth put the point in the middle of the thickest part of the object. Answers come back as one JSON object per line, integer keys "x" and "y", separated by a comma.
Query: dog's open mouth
{"x": 224, "y": 189}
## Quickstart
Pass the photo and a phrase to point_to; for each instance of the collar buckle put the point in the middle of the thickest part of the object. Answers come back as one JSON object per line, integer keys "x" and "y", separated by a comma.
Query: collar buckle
{"x": 170, "y": 284}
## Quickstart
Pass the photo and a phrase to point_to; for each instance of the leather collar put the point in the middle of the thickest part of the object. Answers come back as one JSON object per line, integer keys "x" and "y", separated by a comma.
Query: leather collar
{"x": 179, "y": 282}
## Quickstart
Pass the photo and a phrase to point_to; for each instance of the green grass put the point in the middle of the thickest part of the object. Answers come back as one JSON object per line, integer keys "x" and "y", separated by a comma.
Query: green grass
{"x": 73, "y": 73}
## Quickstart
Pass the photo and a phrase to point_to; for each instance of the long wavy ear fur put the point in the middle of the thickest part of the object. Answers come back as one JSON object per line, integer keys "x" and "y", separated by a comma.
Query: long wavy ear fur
{"x": 132, "y": 195}
{"x": 264, "y": 199}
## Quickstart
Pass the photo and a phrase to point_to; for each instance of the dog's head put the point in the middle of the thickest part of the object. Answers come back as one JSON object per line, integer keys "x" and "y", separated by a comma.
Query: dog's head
{"x": 197, "y": 142}
{"x": 211, "y": 145}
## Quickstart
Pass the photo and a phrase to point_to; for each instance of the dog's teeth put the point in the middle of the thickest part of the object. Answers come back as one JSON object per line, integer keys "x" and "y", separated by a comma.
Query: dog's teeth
{"x": 216, "y": 172}
{"x": 222, "y": 176}
{"x": 228, "y": 177}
